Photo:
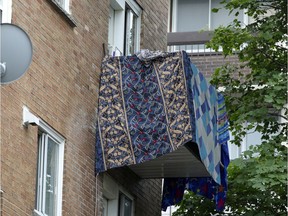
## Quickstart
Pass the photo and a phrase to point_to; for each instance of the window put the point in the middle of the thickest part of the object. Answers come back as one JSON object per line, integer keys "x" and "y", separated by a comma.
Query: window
{"x": 63, "y": 4}
{"x": 125, "y": 205}
{"x": 105, "y": 206}
{"x": 5, "y": 11}
{"x": 252, "y": 138}
{"x": 116, "y": 202}
{"x": 62, "y": 7}
{"x": 124, "y": 27}
{"x": 196, "y": 15}
{"x": 131, "y": 39}
{"x": 49, "y": 177}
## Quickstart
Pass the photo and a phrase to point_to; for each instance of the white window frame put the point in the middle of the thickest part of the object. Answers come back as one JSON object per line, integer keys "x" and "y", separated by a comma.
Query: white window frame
{"x": 63, "y": 4}
{"x": 111, "y": 193}
{"x": 137, "y": 12}
{"x": 116, "y": 43}
{"x": 44, "y": 128}
{"x": 6, "y": 7}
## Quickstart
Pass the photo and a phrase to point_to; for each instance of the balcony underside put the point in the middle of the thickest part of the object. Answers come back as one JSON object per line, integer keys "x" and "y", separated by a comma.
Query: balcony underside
{"x": 184, "y": 162}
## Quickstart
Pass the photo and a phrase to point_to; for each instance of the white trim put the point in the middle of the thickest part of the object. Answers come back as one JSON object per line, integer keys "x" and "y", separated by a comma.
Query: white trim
{"x": 135, "y": 7}
{"x": 136, "y": 10}
{"x": 174, "y": 15}
{"x": 37, "y": 213}
{"x": 44, "y": 141}
{"x": 64, "y": 4}
{"x": 117, "y": 46}
{"x": 117, "y": 40}
{"x": 6, "y": 7}
{"x": 67, "y": 6}
{"x": 138, "y": 32}
{"x": 30, "y": 118}
{"x": 209, "y": 15}
{"x": 119, "y": 30}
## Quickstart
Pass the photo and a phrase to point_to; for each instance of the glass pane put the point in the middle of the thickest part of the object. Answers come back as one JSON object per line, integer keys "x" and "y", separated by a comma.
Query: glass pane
{"x": 111, "y": 27}
{"x": 223, "y": 17}
{"x": 105, "y": 207}
{"x": 51, "y": 176}
{"x": 125, "y": 206}
{"x": 131, "y": 23}
{"x": 192, "y": 15}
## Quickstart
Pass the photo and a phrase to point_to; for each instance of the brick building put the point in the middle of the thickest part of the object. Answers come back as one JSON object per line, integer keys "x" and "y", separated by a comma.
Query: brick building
{"x": 47, "y": 166}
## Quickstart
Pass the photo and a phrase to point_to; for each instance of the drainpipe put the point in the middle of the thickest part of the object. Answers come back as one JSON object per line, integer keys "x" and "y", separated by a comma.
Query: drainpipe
{"x": 1, "y": 201}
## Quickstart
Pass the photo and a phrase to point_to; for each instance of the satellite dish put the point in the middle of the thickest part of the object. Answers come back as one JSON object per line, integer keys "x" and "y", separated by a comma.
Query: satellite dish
{"x": 15, "y": 54}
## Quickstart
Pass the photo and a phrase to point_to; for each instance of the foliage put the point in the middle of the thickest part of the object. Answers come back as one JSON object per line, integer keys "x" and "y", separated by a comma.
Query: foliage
{"x": 255, "y": 92}
{"x": 256, "y": 187}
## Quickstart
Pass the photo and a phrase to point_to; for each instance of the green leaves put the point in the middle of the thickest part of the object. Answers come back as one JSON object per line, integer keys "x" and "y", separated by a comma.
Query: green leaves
{"x": 255, "y": 92}
{"x": 255, "y": 185}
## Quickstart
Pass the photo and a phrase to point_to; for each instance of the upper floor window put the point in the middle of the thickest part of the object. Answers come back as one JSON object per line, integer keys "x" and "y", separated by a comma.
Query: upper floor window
{"x": 5, "y": 11}
{"x": 124, "y": 27}
{"x": 196, "y": 15}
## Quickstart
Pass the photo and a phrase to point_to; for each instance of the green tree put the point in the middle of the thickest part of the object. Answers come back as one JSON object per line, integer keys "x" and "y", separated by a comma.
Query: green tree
{"x": 257, "y": 182}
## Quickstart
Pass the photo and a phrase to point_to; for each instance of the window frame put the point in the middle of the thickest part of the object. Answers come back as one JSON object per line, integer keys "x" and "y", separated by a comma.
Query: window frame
{"x": 120, "y": 209}
{"x": 6, "y": 8}
{"x": 117, "y": 43}
{"x": 63, "y": 4}
{"x": 45, "y": 133}
{"x": 1, "y": 11}
{"x": 136, "y": 40}
{"x": 174, "y": 13}
{"x": 42, "y": 173}
{"x": 136, "y": 10}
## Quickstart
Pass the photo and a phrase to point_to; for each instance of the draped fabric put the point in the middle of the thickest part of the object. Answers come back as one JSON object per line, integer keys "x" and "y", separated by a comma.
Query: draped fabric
{"x": 149, "y": 106}
{"x": 205, "y": 186}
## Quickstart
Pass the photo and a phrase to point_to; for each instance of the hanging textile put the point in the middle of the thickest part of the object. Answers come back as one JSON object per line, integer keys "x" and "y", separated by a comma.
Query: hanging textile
{"x": 154, "y": 103}
{"x": 174, "y": 188}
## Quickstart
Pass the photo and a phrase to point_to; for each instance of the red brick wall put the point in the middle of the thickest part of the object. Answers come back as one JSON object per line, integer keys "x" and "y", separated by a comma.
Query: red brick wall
{"x": 154, "y": 24}
{"x": 61, "y": 87}
{"x": 208, "y": 62}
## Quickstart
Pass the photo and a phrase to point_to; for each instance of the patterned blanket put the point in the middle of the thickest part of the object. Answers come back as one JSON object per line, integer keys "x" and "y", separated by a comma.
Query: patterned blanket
{"x": 150, "y": 105}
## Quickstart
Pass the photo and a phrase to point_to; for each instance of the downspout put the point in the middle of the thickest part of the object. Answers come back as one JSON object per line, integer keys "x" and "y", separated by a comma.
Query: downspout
{"x": 1, "y": 200}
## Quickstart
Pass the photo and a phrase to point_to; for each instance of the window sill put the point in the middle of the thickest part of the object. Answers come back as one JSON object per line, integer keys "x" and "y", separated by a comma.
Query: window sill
{"x": 69, "y": 18}
{"x": 37, "y": 213}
